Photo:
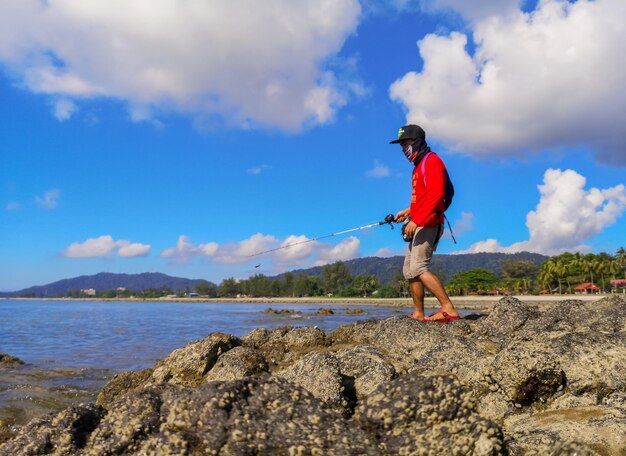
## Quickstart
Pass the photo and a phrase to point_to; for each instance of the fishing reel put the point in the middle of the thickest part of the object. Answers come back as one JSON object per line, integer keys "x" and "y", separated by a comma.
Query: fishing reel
{"x": 390, "y": 219}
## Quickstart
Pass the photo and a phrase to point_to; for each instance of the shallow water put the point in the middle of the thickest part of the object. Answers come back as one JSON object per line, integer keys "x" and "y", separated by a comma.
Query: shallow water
{"x": 71, "y": 348}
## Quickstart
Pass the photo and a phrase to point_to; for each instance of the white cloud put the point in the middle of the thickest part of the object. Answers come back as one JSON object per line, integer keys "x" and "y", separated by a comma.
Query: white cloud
{"x": 50, "y": 199}
{"x": 64, "y": 109}
{"x": 387, "y": 253}
{"x": 133, "y": 250}
{"x": 242, "y": 251}
{"x": 474, "y": 10}
{"x": 185, "y": 250}
{"x": 293, "y": 250}
{"x": 566, "y": 216}
{"x": 552, "y": 78}
{"x": 347, "y": 249}
{"x": 256, "y": 170}
{"x": 106, "y": 246}
{"x": 300, "y": 247}
{"x": 379, "y": 170}
{"x": 302, "y": 251}
{"x": 12, "y": 206}
{"x": 251, "y": 63}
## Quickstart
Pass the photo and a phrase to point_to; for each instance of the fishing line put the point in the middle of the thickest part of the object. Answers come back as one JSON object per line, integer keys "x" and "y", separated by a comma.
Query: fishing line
{"x": 389, "y": 219}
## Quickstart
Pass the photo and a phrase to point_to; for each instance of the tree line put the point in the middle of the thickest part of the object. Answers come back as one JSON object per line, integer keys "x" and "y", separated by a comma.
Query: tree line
{"x": 335, "y": 280}
{"x": 559, "y": 274}
{"x": 562, "y": 273}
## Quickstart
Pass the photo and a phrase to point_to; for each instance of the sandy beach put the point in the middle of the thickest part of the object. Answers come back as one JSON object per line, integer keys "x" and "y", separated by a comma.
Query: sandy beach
{"x": 481, "y": 303}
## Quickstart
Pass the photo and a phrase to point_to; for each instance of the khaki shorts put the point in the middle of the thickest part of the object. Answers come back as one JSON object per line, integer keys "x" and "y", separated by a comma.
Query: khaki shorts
{"x": 420, "y": 252}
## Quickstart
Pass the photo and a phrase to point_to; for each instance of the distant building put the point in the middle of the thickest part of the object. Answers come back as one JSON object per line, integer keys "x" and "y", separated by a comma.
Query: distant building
{"x": 88, "y": 292}
{"x": 586, "y": 287}
{"x": 120, "y": 289}
{"x": 618, "y": 283}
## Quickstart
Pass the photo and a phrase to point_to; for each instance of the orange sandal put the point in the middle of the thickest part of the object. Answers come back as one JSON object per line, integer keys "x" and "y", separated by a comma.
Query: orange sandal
{"x": 446, "y": 317}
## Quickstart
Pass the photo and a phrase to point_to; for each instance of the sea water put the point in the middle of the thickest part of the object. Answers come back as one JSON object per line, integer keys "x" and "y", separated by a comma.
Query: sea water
{"x": 72, "y": 348}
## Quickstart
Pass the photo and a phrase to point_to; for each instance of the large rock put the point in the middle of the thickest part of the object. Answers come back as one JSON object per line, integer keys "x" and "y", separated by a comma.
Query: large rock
{"x": 187, "y": 366}
{"x": 259, "y": 416}
{"x": 237, "y": 363}
{"x": 60, "y": 433}
{"x": 268, "y": 342}
{"x": 366, "y": 368}
{"x": 526, "y": 373}
{"x": 126, "y": 424}
{"x": 408, "y": 344}
{"x": 595, "y": 430}
{"x": 253, "y": 416}
{"x": 461, "y": 356}
{"x": 502, "y": 322}
{"x": 403, "y": 340}
{"x": 607, "y": 315}
{"x": 494, "y": 406}
{"x": 356, "y": 333}
{"x": 123, "y": 383}
{"x": 283, "y": 346}
{"x": 5, "y": 432}
{"x": 10, "y": 361}
{"x": 429, "y": 415}
{"x": 320, "y": 374}
{"x": 593, "y": 362}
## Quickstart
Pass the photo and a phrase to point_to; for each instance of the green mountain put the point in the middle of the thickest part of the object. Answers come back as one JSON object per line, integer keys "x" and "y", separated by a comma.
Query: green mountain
{"x": 386, "y": 269}
{"x": 107, "y": 281}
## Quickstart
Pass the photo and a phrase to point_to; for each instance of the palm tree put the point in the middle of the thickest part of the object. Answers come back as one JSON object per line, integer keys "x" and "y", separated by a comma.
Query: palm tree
{"x": 544, "y": 278}
{"x": 600, "y": 265}
{"x": 556, "y": 268}
{"x": 620, "y": 257}
{"x": 579, "y": 264}
{"x": 613, "y": 268}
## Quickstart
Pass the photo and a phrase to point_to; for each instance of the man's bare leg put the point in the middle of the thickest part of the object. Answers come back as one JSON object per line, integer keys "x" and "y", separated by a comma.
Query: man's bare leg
{"x": 417, "y": 293}
{"x": 431, "y": 281}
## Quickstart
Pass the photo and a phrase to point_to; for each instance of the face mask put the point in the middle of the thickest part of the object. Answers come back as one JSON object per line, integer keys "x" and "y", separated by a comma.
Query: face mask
{"x": 408, "y": 153}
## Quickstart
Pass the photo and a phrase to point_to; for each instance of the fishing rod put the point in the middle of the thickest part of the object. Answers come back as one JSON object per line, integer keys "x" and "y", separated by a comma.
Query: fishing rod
{"x": 389, "y": 219}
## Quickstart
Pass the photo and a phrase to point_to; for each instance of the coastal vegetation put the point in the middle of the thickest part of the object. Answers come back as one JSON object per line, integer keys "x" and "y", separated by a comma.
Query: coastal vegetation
{"x": 560, "y": 274}
{"x": 468, "y": 274}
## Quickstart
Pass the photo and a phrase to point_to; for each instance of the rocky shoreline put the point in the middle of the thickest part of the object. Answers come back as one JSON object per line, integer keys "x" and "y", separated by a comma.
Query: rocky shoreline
{"x": 526, "y": 379}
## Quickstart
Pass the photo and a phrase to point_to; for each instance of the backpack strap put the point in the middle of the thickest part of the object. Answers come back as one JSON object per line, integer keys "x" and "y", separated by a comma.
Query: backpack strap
{"x": 449, "y": 227}
{"x": 424, "y": 166}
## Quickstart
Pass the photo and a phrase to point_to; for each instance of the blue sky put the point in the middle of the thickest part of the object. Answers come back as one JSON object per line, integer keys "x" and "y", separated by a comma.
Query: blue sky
{"x": 183, "y": 136}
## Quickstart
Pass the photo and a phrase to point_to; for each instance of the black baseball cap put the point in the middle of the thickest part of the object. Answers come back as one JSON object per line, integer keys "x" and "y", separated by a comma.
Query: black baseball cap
{"x": 410, "y": 132}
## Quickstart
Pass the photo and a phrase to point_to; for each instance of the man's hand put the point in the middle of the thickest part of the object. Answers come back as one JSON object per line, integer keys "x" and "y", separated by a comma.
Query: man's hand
{"x": 403, "y": 214}
{"x": 409, "y": 229}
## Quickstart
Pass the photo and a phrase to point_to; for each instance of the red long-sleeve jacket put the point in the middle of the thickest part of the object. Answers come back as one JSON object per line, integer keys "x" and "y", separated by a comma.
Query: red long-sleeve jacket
{"x": 428, "y": 191}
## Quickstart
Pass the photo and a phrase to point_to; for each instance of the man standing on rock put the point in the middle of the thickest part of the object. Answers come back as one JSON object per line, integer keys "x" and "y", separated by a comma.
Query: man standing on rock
{"x": 425, "y": 225}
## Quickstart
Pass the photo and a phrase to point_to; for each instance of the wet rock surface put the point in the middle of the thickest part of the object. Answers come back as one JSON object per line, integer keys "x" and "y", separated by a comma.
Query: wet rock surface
{"x": 517, "y": 381}
{"x": 9, "y": 361}
{"x": 355, "y": 312}
{"x": 428, "y": 415}
{"x": 324, "y": 312}
{"x": 594, "y": 428}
